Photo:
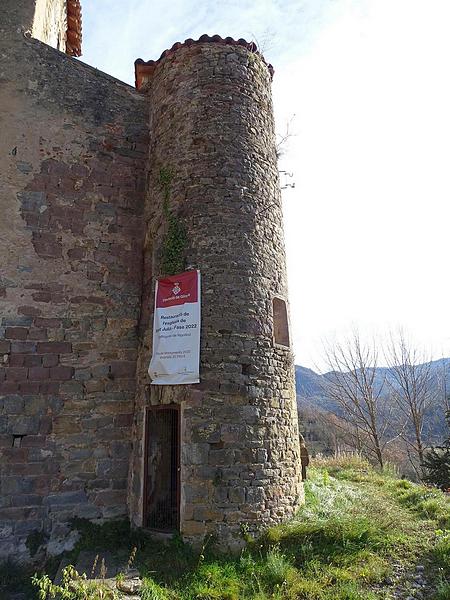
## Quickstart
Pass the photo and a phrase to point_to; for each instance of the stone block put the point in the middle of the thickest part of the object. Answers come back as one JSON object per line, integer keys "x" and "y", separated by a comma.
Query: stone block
{"x": 16, "y": 333}
{"x": 26, "y": 500}
{"x": 206, "y": 432}
{"x": 16, "y": 374}
{"x": 9, "y": 387}
{"x": 66, "y": 425}
{"x": 16, "y": 485}
{"x": 237, "y": 495}
{"x": 23, "y": 347}
{"x": 30, "y": 387}
{"x": 65, "y": 498}
{"x": 37, "y": 333}
{"x": 123, "y": 368}
{"x": 114, "y": 512}
{"x": 50, "y": 360}
{"x": 38, "y": 373}
{"x": 54, "y": 347}
{"x": 255, "y": 495}
{"x": 87, "y": 511}
{"x": 195, "y": 454}
{"x": 123, "y": 420}
{"x": 193, "y": 528}
{"x": 93, "y": 386}
{"x": 33, "y": 441}
{"x": 31, "y": 360}
{"x": 112, "y": 468}
{"x": 100, "y": 371}
{"x": 13, "y": 404}
{"x": 5, "y": 439}
{"x": 5, "y": 346}
{"x": 20, "y": 425}
{"x": 195, "y": 493}
{"x": 16, "y": 360}
{"x": 111, "y": 498}
{"x": 72, "y": 388}
{"x": 120, "y": 449}
{"x": 32, "y": 201}
{"x": 61, "y": 373}
{"x": 27, "y": 527}
{"x": 17, "y": 321}
{"x": 222, "y": 457}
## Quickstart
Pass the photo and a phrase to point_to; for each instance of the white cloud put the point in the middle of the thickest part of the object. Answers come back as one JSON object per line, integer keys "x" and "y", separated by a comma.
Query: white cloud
{"x": 367, "y": 225}
{"x": 368, "y": 222}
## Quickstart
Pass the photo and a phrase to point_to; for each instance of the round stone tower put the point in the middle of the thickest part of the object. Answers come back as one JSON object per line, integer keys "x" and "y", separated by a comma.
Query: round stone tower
{"x": 213, "y": 160}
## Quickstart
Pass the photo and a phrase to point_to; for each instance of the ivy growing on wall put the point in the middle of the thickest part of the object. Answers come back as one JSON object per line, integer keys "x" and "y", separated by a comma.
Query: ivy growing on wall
{"x": 175, "y": 239}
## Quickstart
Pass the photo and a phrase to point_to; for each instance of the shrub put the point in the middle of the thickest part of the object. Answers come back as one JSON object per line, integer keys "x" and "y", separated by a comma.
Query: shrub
{"x": 73, "y": 587}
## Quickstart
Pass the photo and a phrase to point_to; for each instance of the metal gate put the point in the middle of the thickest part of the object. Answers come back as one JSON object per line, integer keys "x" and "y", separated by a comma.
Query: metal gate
{"x": 162, "y": 468}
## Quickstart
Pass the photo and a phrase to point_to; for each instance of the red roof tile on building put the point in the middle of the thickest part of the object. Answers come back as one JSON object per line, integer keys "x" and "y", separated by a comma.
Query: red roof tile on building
{"x": 73, "y": 36}
{"x": 144, "y": 70}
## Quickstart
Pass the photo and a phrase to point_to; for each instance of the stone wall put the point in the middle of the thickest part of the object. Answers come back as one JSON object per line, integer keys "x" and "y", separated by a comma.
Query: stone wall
{"x": 73, "y": 151}
{"x": 212, "y": 127}
{"x": 80, "y": 238}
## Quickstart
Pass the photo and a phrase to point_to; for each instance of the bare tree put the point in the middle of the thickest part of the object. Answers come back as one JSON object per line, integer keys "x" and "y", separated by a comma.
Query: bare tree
{"x": 283, "y": 138}
{"x": 413, "y": 391}
{"x": 443, "y": 390}
{"x": 353, "y": 384}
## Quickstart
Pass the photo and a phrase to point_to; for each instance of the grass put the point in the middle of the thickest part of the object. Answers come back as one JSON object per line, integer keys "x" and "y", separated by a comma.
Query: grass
{"x": 356, "y": 523}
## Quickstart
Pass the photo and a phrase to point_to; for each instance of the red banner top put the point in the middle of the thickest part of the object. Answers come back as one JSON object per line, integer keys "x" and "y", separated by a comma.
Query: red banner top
{"x": 177, "y": 289}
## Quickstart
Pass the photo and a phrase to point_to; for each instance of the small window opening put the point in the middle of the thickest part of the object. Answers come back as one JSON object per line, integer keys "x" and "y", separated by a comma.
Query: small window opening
{"x": 17, "y": 440}
{"x": 280, "y": 323}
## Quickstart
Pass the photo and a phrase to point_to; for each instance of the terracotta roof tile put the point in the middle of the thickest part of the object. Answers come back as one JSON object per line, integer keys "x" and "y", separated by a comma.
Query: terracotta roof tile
{"x": 73, "y": 36}
{"x": 144, "y": 69}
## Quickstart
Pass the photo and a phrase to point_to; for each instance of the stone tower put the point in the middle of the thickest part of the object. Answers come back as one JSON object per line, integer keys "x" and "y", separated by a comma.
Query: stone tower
{"x": 211, "y": 125}
{"x": 82, "y": 430}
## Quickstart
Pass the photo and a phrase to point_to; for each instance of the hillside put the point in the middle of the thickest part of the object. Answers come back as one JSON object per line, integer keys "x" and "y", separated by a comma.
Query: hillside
{"x": 362, "y": 535}
{"x": 311, "y": 393}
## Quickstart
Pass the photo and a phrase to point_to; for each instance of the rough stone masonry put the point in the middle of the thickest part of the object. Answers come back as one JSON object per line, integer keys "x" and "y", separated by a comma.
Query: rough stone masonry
{"x": 82, "y": 228}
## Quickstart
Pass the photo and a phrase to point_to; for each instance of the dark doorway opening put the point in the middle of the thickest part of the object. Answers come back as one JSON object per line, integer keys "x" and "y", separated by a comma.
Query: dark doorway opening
{"x": 162, "y": 468}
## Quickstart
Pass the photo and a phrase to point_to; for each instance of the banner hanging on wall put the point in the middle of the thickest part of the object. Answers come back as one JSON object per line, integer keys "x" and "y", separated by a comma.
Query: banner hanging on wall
{"x": 176, "y": 330}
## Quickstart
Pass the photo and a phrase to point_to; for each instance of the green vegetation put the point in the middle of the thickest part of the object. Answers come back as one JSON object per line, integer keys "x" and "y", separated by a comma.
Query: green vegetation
{"x": 34, "y": 541}
{"x": 356, "y": 525}
{"x": 175, "y": 240}
{"x": 73, "y": 587}
{"x": 437, "y": 462}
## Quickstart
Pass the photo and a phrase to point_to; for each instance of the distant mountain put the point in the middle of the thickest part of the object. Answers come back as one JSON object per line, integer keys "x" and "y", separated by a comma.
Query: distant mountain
{"x": 307, "y": 382}
{"x": 311, "y": 390}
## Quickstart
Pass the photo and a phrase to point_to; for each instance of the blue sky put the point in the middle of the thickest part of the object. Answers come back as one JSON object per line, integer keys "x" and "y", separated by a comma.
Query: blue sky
{"x": 367, "y": 225}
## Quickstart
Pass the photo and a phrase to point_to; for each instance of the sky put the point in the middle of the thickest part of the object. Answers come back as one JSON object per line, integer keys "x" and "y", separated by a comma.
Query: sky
{"x": 364, "y": 87}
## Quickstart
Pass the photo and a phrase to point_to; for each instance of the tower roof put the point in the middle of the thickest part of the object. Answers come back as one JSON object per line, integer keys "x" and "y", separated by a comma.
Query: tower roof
{"x": 73, "y": 37}
{"x": 144, "y": 69}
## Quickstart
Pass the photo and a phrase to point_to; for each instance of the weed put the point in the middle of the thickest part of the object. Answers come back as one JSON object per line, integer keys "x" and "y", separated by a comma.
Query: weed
{"x": 441, "y": 552}
{"x": 73, "y": 587}
{"x": 277, "y": 568}
{"x": 152, "y": 591}
{"x": 217, "y": 581}
{"x": 442, "y": 591}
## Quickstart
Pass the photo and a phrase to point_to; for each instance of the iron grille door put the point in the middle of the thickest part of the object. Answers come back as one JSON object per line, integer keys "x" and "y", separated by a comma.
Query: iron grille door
{"x": 162, "y": 472}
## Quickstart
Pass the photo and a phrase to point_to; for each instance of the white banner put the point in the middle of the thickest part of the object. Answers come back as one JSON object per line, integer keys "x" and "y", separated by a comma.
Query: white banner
{"x": 176, "y": 330}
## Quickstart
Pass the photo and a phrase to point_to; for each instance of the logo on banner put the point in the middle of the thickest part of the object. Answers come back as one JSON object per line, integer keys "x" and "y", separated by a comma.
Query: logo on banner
{"x": 176, "y": 289}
